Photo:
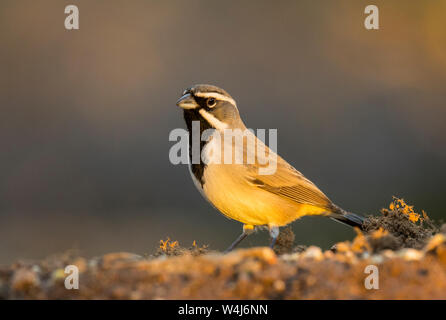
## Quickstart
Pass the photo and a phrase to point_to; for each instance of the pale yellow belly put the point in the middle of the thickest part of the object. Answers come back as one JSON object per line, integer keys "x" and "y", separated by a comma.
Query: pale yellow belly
{"x": 226, "y": 189}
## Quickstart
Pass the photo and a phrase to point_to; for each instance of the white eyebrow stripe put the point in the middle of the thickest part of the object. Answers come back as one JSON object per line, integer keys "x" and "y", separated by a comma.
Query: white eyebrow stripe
{"x": 217, "y": 124}
{"x": 215, "y": 95}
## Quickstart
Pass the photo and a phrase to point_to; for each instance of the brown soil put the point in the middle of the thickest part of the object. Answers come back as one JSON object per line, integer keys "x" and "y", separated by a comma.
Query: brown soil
{"x": 402, "y": 232}
{"x": 409, "y": 251}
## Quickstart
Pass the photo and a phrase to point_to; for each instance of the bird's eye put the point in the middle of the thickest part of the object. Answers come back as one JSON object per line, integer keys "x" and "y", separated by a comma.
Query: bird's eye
{"x": 211, "y": 102}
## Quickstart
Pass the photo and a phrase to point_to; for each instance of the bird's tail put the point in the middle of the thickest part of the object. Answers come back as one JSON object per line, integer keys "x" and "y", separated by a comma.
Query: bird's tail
{"x": 347, "y": 218}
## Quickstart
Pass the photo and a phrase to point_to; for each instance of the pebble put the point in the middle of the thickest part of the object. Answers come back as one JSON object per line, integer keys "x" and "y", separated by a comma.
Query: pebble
{"x": 435, "y": 242}
{"x": 24, "y": 279}
{"x": 313, "y": 253}
{"x": 410, "y": 254}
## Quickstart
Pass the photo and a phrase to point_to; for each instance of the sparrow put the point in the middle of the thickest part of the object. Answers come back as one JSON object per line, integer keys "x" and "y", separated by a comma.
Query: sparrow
{"x": 238, "y": 190}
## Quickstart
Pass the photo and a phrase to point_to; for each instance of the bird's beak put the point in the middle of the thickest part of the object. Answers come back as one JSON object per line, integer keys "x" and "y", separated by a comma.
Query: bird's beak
{"x": 187, "y": 102}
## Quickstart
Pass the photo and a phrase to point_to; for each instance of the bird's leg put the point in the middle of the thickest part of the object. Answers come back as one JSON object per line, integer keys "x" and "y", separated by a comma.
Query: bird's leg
{"x": 247, "y": 230}
{"x": 274, "y": 233}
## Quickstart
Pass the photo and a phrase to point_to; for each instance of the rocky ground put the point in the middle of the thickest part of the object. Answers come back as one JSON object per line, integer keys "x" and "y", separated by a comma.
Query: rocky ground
{"x": 408, "y": 250}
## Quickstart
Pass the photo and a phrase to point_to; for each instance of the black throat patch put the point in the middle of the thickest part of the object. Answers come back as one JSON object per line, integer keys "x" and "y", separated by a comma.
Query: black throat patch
{"x": 189, "y": 117}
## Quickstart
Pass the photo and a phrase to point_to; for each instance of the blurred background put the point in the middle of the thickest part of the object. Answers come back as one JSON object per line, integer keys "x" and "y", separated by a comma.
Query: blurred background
{"x": 86, "y": 114}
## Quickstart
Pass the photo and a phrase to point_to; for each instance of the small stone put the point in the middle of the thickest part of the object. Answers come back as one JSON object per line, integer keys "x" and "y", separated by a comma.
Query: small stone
{"x": 24, "y": 280}
{"x": 365, "y": 255}
{"x": 93, "y": 263}
{"x": 279, "y": 285}
{"x": 313, "y": 253}
{"x": 388, "y": 254}
{"x": 341, "y": 247}
{"x": 377, "y": 259}
{"x": 290, "y": 257}
{"x": 435, "y": 241}
{"x": 36, "y": 268}
{"x": 410, "y": 254}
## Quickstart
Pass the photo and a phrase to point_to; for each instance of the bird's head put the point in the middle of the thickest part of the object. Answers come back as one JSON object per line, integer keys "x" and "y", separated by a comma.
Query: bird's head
{"x": 211, "y": 105}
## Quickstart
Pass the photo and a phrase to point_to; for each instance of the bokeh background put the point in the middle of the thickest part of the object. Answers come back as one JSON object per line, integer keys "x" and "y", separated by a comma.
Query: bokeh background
{"x": 85, "y": 114}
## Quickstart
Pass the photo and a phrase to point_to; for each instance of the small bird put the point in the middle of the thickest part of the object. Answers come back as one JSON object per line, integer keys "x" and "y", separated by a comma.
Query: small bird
{"x": 237, "y": 190}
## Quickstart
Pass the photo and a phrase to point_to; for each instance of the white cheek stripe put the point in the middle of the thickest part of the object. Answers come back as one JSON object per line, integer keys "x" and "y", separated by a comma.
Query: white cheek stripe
{"x": 215, "y": 95}
{"x": 217, "y": 124}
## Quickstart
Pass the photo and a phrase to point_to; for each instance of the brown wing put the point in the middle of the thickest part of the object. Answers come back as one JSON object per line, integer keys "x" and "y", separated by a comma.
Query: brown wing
{"x": 289, "y": 183}
{"x": 285, "y": 182}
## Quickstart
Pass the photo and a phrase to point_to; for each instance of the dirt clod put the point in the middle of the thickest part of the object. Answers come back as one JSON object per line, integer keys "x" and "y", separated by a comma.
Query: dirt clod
{"x": 285, "y": 241}
{"x": 386, "y": 242}
{"x": 405, "y": 228}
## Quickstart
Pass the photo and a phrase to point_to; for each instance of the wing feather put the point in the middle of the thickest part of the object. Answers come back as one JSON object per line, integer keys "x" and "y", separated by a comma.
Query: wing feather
{"x": 289, "y": 183}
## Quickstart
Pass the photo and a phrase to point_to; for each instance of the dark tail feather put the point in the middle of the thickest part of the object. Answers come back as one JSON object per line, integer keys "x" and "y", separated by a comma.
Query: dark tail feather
{"x": 348, "y": 218}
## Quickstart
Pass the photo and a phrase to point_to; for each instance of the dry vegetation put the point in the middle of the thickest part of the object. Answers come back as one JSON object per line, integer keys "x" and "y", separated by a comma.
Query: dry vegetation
{"x": 407, "y": 247}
